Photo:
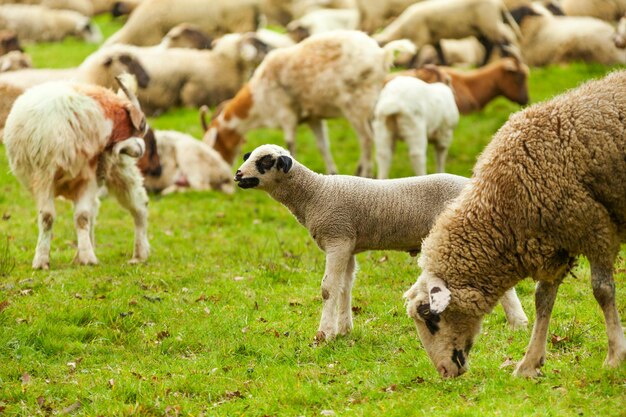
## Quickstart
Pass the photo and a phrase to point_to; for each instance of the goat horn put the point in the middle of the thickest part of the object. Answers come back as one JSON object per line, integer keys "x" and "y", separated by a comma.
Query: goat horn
{"x": 131, "y": 96}
{"x": 513, "y": 53}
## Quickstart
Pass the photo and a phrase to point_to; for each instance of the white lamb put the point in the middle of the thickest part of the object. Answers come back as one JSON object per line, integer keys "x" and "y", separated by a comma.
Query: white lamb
{"x": 418, "y": 112}
{"x": 346, "y": 215}
{"x": 66, "y": 139}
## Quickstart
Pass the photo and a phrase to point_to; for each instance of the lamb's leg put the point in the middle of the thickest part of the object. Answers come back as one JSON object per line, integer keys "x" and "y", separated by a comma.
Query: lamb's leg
{"x": 383, "y": 137}
{"x": 413, "y": 131}
{"x": 441, "y": 149}
{"x": 513, "y": 310}
{"x": 130, "y": 193}
{"x": 535, "y": 356}
{"x": 320, "y": 131}
{"x": 440, "y": 54}
{"x": 337, "y": 261}
{"x": 45, "y": 220}
{"x": 604, "y": 293}
{"x": 359, "y": 119}
{"x": 289, "y": 127}
{"x": 92, "y": 222}
{"x": 345, "y": 299}
{"x": 83, "y": 216}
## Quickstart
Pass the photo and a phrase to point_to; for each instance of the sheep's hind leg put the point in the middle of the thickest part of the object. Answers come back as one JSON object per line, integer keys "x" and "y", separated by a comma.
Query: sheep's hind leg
{"x": 361, "y": 125}
{"x": 337, "y": 260}
{"x": 345, "y": 299}
{"x": 84, "y": 206}
{"x": 545, "y": 294}
{"x": 513, "y": 310}
{"x": 415, "y": 134}
{"x": 604, "y": 293}
{"x": 383, "y": 137}
{"x": 45, "y": 220}
{"x": 320, "y": 131}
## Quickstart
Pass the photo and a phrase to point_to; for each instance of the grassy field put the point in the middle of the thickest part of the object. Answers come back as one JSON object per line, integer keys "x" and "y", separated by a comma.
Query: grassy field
{"x": 221, "y": 319}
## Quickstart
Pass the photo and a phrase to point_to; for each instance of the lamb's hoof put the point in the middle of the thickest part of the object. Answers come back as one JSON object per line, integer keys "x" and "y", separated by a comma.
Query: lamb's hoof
{"x": 518, "y": 324}
{"x": 43, "y": 264}
{"x": 615, "y": 360}
{"x": 345, "y": 329}
{"x": 524, "y": 371}
{"x": 136, "y": 261}
{"x": 320, "y": 337}
{"x": 86, "y": 259}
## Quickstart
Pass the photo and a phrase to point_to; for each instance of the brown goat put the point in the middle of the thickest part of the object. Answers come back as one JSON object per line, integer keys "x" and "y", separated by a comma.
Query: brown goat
{"x": 506, "y": 77}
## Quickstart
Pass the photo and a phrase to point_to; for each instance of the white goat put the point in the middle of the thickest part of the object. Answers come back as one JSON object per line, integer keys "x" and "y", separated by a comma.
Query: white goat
{"x": 65, "y": 139}
{"x": 419, "y": 113}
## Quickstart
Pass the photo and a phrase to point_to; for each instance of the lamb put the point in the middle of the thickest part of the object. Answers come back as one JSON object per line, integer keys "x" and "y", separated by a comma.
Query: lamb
{"x": 549, "y": 187}
{"x": 552, "y": 39}
{"x": 152, "y": 19}
{"x": 15, "y": 60}
{"x": 419, "y": 113}
{"x": 346, "y": 215}
{"x": 188, "y": 164}
{"x": 323, "y": 20}
{"x": 34, "y": 23}
{"x": 428, "y": 22}
{"x": 326, "y": 75}
{"x": 474, "y": 89}
{"x": 67, "y": 139}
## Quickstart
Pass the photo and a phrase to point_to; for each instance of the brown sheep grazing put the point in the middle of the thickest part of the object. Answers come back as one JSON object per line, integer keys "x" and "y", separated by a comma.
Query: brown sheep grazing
{"x": 549, "y": 187}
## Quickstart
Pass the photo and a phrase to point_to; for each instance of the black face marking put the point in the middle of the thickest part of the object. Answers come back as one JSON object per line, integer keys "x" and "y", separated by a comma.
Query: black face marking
{"x": 246, "y": 156}
{"x": 265, "y": 164}
{"x": 468, "y": 347}
{"x": 435, "y": 290}
{"x": 458, "y": 358}
{"x": 430, "y": 319}
{"x": 284, "y": 162}
{"x": 249, "y": 182}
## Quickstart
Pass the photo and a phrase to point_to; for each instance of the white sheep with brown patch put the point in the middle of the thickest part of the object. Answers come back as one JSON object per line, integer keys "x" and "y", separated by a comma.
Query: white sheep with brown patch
{"x": 329, "y": 75}
{"x": 66, "y": 139}
{"x": 346, "y": 215}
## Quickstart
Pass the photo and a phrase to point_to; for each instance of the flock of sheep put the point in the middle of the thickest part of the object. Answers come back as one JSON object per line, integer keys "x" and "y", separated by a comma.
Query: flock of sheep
{"x": 549, "y": 186}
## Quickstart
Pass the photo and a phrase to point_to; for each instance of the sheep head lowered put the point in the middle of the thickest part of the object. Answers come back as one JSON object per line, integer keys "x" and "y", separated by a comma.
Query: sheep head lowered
{"x": 134, "y": 146}
{"x": 264, "y": 167}
{"x": 447, "y": 334}
{"x": 514, "y": 80}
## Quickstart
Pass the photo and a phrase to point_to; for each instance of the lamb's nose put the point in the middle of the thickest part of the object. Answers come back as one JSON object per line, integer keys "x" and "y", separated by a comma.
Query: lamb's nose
{"x": 238, "y": 176}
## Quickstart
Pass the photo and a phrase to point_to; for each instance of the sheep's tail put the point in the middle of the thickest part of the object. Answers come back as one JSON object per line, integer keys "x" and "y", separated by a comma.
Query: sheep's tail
{"x": 511, "y": 21}
{"x": 401, "y": 45}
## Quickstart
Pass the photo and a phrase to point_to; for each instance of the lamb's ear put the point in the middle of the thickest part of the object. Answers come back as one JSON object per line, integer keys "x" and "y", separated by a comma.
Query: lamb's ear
{"x": 284, "y": 162}
{"x": 246, "y": 156}
{"x": 439, "y": 295}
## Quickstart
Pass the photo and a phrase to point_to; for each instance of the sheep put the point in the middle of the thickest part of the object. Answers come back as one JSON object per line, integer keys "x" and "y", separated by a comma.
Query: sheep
{"x": 152, "y": 19}
{"x": 430, "y": 21}
{"x": 122, "y": 8}
{"x": 326, "y": 75}
{"x": 34, "y": 23}
{"x": 323, "y": 20}
{"x": 552, "y": 39}
{"x": 84, "y": 7}
{"x": 346, "y": 215}
{"x": 9, "y": 42}
{"x": 410, "y": 109}
{"x": 66, "y": 139}
{"x": 376, "y": 13}
{"x": 282, "y": 12}
{"x": 188, "y": 164}
{"x": 186, "y": 35}
{"x": 549, "y": 187}
{"x": 474, "y": 89}
{"x": 609, "y": 11}
{"x": 15, "y": 60}
{"x": 619, "y": 37}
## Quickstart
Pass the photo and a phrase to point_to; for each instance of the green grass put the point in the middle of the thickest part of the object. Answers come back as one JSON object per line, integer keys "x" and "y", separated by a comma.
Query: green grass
{"x": 221, "y": 319}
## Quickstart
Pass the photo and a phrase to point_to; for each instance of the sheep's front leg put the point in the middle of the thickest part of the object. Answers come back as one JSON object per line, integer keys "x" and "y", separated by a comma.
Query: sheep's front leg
{"x": 289, "y": 126}
{"x": 413, "y": 131}
{"x": 383, "y": 138}
{"x": 535, "y": 356}
{"x": 345, "y": 300}
{"x": 84, "y": 208}
{"x": 320, "y": 131}
{"x": 513, "y": 310}
{"x": 337, "y": 261}
{"x": 45, "y": 220}
{"x": 604, "y": 293}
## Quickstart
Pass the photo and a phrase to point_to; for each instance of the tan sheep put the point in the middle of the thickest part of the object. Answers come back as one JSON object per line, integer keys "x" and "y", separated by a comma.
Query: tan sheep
{"x": 549, "y": 187}
{"x": 608, "y": 10}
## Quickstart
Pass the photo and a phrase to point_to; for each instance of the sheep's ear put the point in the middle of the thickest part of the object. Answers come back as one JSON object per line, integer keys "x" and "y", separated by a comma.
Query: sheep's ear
{"x": 210, "y": 136}
{"x": 439, "y": 295}
{"x": 284, "y": 163}
{"x": 137, "y": 118}
{"x": 246, "y": 156}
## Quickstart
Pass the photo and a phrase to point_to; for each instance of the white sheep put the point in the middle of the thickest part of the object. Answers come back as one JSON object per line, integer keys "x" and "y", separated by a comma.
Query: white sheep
{"x": 187, "y": 163}
{"x": 428, "y": 22}
{"x": 34, "y": 23}
{"x": 66, "y": 139}
{"x": 419, "y": 113}
{"x": 323, "y": 20}
{"x": 346, "y": 215}
{"x": 328, "y": 75}
{"x": 548, "y": 188}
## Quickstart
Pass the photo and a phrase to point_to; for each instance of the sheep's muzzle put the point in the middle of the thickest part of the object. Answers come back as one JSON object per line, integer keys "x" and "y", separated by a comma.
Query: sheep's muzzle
{"x": 242, "y": 182}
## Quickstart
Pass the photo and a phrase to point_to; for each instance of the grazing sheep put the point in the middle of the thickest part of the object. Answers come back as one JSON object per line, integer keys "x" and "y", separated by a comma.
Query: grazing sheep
{"x": 66, "y": 139}
{"x": 609, "y": 11}
{"x": 418, "y": 113}
{"x": 186, "y": 35}
{"x": 34, "y": 23}
{"x": 15, "y": 60}
{"x": 326, "y": 75}
{"x": 549, "y": 187}
{"x": 188, "y": 164}
{"x": 549, "y": 39}
{"x": 152, "y": 19}
{"x": 9, "y": 42}
{"x": 323, "y": 20}
{"x": 428, "y": 22}
{"x": 474, "y": 89}
{"x": 346, "y": 215}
